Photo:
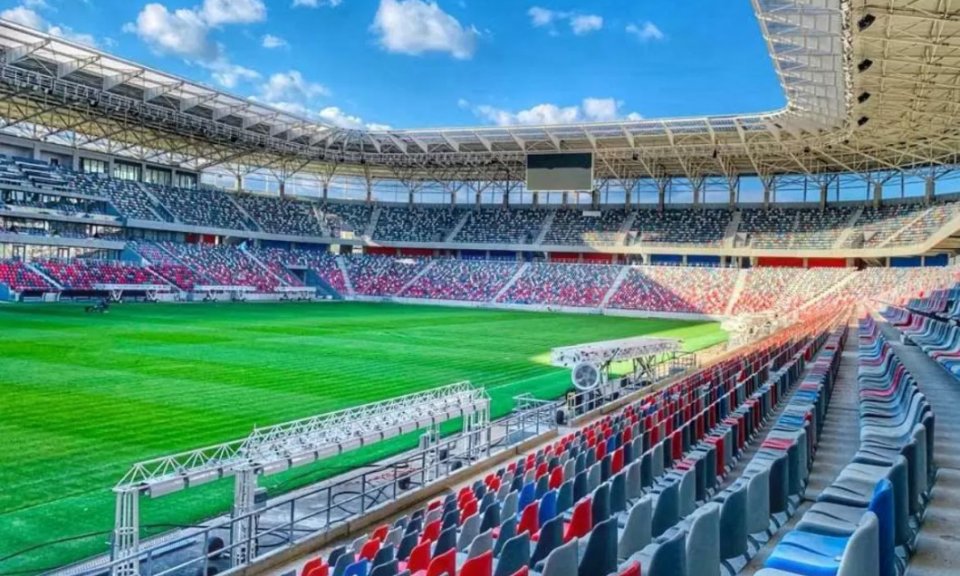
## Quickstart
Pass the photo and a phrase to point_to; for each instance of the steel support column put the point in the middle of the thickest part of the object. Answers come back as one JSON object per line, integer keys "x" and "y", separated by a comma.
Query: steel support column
{"x": 126, "y": 533}
{"x": 242, "y": 530}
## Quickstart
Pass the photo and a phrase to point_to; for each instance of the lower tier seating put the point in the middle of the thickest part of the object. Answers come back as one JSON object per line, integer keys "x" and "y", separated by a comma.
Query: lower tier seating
{"x": 16, "y": 275}
{"x": 636, "y": 492}
{"x": 865, "y": 522}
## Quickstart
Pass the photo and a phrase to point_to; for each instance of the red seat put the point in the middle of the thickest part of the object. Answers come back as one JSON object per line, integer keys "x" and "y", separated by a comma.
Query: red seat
{"x": 556, "y": 478}
{"x": 480, "y": 566}
{"x": 525, "y": 571}
{"x": 530, "y": 519}
{"x": 310, "y": 565}
{"x": 431, "y": 532}
{"x": 617, "y": 464}
{"x": 632, "y": 570}
{"x": 380, "y": 533}
{"x": 581, "y": 522}
{"x": 444, "y": 564}
{"x": 419, "y": 558}
{"x": 370, "y": 549}
{"x": 469, "y": 509}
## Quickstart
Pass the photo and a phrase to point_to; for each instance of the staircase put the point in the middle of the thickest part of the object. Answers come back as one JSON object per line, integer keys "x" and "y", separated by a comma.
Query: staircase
{"x": 836, "y": 287}
{"x": 547, "y": 224}
{"x": 621, "y": 277}
{"x": 159, "y": 208}
{"x": 251, "y": 223}
{"x": 456, "y": 229}
{"x": 418, "y": 276}
{"x": 342, "y": 265}
{"x": 372, "y": 224}
{"x": 906, "y": 226}
{"x": 849, "y": 228}
{"x": 42, "y": 273}
{"x": 262, "y": 266}
{"x": 321, "y": 221}
{"x": 626, "y": 227}
{"x": 737, "y": 290}
{"x": 730, "y": 234}
{"x": 506, "y": 287}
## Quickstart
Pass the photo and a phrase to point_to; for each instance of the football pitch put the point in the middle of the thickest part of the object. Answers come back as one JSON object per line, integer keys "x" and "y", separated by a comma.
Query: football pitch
{"x": 82, "y": 397}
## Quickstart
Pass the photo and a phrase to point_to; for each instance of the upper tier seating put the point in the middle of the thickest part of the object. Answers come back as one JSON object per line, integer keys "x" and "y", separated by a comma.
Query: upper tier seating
{"x": 19, "y": 277}
{"x": 576, "y": 227}
{"x": 416, "y": 224}
{"x": 80, "y": 274}
{"x": 281, "y": 215}
{"x": 202, "y": 207}
{"x": 701, "y": 227}
{"x": 463, "y": 280}
{"x": 876, "y": 225}
{"x": 502, "y": 226}
{"x": 381, "y": 276}
{"x": 127, "y": 197}
{"x": 919, "y": 231}
{"x": 768, "y": 227}
{"x": 676, "y": 289}
{"x": 864, "y": 521}
{"x": 577, "y": 285}
{"x": 348, "y": 217}
{"x": 636, "y": 492}
{"x": 223, "y": 265}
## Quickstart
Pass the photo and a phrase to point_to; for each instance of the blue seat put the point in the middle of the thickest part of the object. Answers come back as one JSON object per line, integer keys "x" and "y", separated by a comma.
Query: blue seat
{"x": 810, "y": 554}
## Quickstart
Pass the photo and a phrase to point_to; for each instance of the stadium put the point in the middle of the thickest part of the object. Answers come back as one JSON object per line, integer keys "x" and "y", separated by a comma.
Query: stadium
{"x": 238, "y": 339}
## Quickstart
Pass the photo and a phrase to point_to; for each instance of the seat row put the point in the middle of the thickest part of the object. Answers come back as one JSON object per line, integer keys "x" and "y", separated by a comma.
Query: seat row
{"x": 938, "y": 339}
{"x": 612, "y": 496}
{"x": 865, "y": 522}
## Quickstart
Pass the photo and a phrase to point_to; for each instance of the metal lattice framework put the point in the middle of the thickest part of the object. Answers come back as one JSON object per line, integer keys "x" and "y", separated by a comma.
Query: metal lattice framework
{"x": 277, "y": 448}
{"x": 871, "y": 86}
{"x": 602, "y": 353}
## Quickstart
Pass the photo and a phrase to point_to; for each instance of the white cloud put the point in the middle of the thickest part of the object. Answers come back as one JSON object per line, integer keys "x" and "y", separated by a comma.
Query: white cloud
{"x": 229, "y": 75}
{"x": 586, "y": 23}
{"x": 418, "y": 26}
{"x": 316, "y": 3}
{"x": 290, "y": 86}
{"x": 25, "y": 15}
{"x": 590, "y": 110}
{"x": 337, "y": 117}
{"x": 182, "y": 32}
{"x": 270, "y": 42}
{"x": 541, "y": 17}
{"x": 220, "y": 12}
{"x": 580, "y": 24}
{"x": 645, "y": 31}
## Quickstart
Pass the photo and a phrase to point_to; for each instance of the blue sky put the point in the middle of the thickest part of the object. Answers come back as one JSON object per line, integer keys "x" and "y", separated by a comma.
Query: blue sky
{"x": 420, "y": 63}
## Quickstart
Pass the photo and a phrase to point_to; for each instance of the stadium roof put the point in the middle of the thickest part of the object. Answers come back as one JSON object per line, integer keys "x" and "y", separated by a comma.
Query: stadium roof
{"x": 871, "y": 85}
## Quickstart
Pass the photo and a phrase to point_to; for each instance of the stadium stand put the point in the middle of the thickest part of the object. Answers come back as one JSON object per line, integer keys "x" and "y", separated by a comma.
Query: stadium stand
{"x": 701, "y": 227}
{"x": 348, "y": 217}
{"x": 468, "y": 281}
{"x": 502, "y": 226}
{"x": 164, "y": 265}
{"x": 275, "y": 261}
{"x": 675, "y": 289}
{"x": 865, "y": 521}
{"x": 19, "y": 277}
{"x": 280, "y": 215}
{"x": 128, "y": 197}
{"x": 416, "y": 224}
{"x": 764, "y": 286}
{"x": 202, "y": 207}
{"x": 82, "y": 274}
{"x": 223, "y": 265}
{"x": 574, "y": 285}
{"x": 574, "y": 227}
{"x": 381, "y": 276}
{"x": 323, "y": 264}
{"x": 650, "y": 489}
{"x": 876, "y": 225}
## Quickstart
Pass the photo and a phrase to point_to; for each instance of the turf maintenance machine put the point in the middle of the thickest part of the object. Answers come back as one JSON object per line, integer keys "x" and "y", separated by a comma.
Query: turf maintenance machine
{"x": 591, "y": 368}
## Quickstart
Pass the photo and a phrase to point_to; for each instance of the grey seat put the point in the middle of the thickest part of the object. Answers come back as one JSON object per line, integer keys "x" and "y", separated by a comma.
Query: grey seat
{"x": 593, "y": 477}
{"x": 733, "y": 520}
{"x": 563, "y": 560}
{"x": 468, "y": 531}
{"x": 666, "y": 507}
{"x": 509, "y": 507}
{"x": 550, "y": 538}
{"x": 703, "y": 541}
{"x": 758, "y": 502}
{"x": 514, "y": 555}
{"x": 636, "y": 531}
{"x": 633, "y": 485}
{"x": 482, "y": 544}
{"x": 600, "y": 554}
{"x": 565, "y": 497}
{"x": 664, "y": 557}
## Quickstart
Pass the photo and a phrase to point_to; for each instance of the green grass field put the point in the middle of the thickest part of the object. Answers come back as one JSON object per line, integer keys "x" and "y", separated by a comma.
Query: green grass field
{"x": 82, "y": 397}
